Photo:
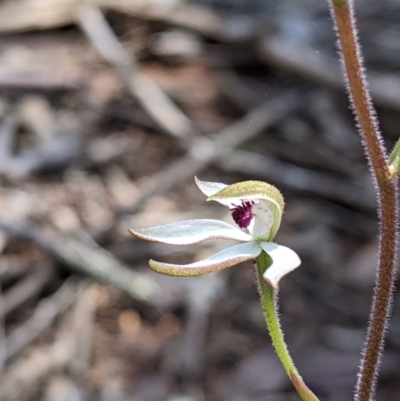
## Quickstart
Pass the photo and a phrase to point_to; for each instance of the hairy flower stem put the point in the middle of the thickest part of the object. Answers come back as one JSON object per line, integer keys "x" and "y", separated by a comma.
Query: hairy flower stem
{"x": 386, "y": 193}
{"x": 269, "y": 303}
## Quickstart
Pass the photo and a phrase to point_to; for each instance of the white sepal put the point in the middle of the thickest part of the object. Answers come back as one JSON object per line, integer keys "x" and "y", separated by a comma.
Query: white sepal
{"x": 284, "y": 260}
{"x": 190, "y": 232}
{"x": 209, "y": 188}
{"x": 221, "y": 260}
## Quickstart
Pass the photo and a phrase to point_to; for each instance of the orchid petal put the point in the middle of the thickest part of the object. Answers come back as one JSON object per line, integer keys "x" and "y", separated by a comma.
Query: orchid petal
{"x": 209, "y": 188}
{"x": 221, "y": 260}
{"x": 284, "y": 260}
{"x": 190, "y": 232}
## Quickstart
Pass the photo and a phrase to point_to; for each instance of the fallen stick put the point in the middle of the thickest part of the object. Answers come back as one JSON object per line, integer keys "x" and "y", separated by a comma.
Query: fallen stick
{"x": 91, "y": 260}
{"x": 43, "y": 317}
{"x": 26, "y": 375}
{"x": 153, "y": 100}
{"x": 82, "y": 329}
{"x": 26, "y": 288}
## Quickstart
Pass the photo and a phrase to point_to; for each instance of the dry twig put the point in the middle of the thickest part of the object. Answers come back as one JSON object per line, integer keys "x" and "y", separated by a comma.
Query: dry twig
{"x": 25, "y": 375}
{"x": 148, "y": 94}
{"x": 82, "y": 329}
{"x": 93, "y": 261}
{"x": 43, "y": 317}
{"x": 25, "y": 289}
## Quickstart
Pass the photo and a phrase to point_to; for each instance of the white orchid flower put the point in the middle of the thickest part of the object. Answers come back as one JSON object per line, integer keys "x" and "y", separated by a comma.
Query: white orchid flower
{"x": 256, "y": 208}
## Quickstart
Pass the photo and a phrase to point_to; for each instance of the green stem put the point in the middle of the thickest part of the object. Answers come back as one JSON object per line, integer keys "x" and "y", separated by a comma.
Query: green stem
{"x": 269, "y": 303}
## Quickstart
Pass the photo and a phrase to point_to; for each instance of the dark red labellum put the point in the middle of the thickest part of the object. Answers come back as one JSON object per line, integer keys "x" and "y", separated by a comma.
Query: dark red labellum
{"x": 242, "y": 214}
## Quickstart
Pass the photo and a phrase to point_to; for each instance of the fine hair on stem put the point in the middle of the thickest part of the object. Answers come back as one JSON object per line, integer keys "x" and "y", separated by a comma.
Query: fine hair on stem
{"x": 386, "y": 194}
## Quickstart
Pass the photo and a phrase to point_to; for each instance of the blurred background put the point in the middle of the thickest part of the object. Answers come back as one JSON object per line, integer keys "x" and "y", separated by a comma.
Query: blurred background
{"x": 108, "y": 109}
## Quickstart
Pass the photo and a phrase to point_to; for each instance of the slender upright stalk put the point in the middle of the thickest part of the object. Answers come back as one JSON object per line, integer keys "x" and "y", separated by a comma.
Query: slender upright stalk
{"x": 269, "y": 303}
{"x": 386, "y": 193}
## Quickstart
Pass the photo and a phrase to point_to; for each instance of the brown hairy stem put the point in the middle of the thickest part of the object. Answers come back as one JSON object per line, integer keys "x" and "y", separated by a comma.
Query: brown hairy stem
{"x": 386, "y": 193}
